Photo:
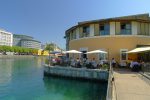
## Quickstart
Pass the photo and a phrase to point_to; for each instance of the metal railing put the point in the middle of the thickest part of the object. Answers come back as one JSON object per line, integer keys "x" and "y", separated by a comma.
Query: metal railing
{"x": 146, "y": 67}
{"x": 110, "y": 85}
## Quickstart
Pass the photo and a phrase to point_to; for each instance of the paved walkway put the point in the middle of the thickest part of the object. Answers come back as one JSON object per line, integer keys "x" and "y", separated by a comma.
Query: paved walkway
{"x": 131, "y": 85}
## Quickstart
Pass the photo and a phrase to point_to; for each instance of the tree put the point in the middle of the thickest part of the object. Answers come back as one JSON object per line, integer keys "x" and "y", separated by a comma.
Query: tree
{"x": 49, "y": 47}
{"x": 17, "y": 49}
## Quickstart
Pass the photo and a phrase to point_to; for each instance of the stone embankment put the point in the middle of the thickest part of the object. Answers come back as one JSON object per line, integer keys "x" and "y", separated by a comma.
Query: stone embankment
{"x": 78, "y": 73}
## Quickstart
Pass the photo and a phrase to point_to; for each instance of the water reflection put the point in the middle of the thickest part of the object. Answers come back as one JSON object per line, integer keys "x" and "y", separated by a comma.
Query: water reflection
{"x": 6, "y": 69}
{"x": 75, "y": 90}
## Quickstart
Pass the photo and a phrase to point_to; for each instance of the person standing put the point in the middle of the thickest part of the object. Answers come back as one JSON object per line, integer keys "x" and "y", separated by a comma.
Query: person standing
{"x": 113, "y": 62}
{"x": 78, "y": 63}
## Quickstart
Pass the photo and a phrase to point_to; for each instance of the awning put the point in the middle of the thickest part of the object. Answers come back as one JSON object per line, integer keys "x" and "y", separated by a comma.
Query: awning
{"x": 141, "y": 49}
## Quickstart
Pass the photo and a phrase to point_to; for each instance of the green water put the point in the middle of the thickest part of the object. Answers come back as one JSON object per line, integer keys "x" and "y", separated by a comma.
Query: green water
{"x": 22, "y": 79}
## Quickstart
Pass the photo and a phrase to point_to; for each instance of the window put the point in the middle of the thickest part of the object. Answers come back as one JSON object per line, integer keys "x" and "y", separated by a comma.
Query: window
{"x": 71, "y": 35}
{"x": 125, "y": 28}
{"x": 74, "y": 34}
{"x": 86, "y": 31}
{"x": 104, "y": 29}
{"x": 83, "y": 55}
{"x": 123, "y": 54}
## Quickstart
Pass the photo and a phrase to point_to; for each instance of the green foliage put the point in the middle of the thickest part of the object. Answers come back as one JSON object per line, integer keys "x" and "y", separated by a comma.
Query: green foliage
{"x": 50, "y": 47}
{"x": 105, "y": 66}
{"x": 17, "y": 49}
{"x": 34, "y": 51}
{"x": 5, "y": 48}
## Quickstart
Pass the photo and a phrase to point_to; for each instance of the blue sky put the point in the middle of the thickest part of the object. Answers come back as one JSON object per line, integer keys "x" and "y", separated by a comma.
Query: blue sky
{"x": 47, "y": 20}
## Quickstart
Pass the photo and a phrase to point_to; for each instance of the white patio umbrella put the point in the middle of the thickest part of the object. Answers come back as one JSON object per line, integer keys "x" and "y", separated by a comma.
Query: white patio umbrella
{"x": 141, "y": 49}
{"x": 73, "y": 51}
{"x": 96, "y": 51}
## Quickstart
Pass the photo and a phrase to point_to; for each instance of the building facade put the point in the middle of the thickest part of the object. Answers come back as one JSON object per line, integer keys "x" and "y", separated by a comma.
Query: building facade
{"x": 26, "y": 41}
{"x": 17, "y": 39}
{"x": 114, "y": 35}
{"x": 6, "y": 38}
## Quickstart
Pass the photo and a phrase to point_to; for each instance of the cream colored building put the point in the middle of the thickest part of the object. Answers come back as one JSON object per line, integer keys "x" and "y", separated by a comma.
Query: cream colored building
{"x": 114, "y": 35}
{"x": 6, "y": 38}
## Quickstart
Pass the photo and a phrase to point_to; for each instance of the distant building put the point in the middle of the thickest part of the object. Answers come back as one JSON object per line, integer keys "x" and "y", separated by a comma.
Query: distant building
{"x": 26, "y": 41}
{"x": 43, "y": 46}
{"x": 17, "y": 39}
{"x": 6, "y": 38}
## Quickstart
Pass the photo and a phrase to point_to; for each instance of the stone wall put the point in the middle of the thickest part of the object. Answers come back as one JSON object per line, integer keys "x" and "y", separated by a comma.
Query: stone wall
{"x": 83, "y": 73}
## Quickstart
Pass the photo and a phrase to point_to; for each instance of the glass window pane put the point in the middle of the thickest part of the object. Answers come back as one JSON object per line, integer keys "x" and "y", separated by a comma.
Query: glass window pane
{"x": 102, "y": 32}
{"x": 125, "y": 28}
{"x": 128, "y": 26}
{"x": 123, "y": 55}
{"x": 104, "y": 29}
{"x": 128, "y": 31}
{"x": 122, "y": 26}
{"x": 101, "y": 28}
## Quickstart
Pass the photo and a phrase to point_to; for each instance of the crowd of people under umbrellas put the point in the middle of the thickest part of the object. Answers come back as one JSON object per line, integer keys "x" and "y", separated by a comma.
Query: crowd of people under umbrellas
{"x": 91, "y": 63}
{"x": 84, "y": 62}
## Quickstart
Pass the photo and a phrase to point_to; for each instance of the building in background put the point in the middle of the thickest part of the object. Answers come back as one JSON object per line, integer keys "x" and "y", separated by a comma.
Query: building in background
{"x": 114, "y": 35}
{"x": 26, "y": 41}
{"x": 43, "y": 46}
{"x": 6, "y": 38}
{"x": 17, "y": 39}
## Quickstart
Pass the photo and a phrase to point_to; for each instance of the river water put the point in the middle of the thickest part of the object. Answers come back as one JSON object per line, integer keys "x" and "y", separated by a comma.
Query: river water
{"x": 22, "y": 79}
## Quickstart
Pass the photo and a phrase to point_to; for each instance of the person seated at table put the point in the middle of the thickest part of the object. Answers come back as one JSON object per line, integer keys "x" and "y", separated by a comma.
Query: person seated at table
{"x": 88, "y": 63}
{"x": 54, "y": 61}
{"x": 78, "y": 63}
{"x": 133, "y": 63}
{"x": 100, "y": 63}
{"x": 135, "y": 66}
{"x": 94, "y": 64}
{"x": 73, "y": 62}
